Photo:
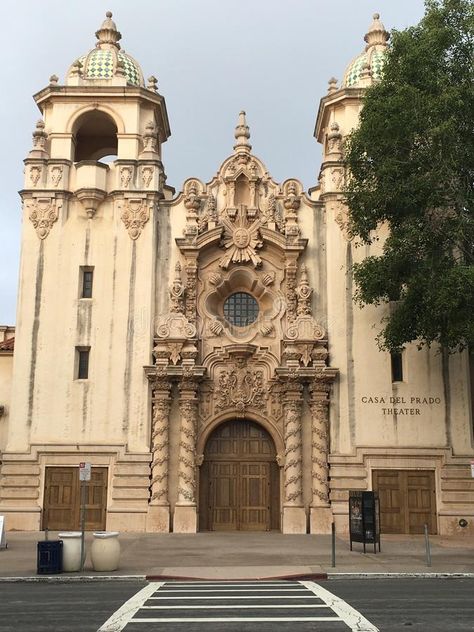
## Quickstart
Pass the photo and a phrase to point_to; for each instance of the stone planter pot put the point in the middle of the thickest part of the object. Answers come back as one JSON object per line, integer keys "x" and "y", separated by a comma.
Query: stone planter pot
{"x": 71, "y": 551}
{"x": 105, "y": 551}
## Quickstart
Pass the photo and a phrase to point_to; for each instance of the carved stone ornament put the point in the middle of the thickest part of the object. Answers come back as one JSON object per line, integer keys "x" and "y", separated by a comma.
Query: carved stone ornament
{"x": 304, "y": 292}
{"x": 177, "y": 291}
{"x": 35, "y": 173}
{"x": 135, "y": 214}
{"x": 125, "y": 177}
{"x": 241, "y": 387}
{"x": 293, "y": 473}
{"x": 176, "y": 326}
{"x": 146, "y": 175}
{"x": 160, "y": 446}
{"x": 43, "y": 212}
{"x": 187, "y": 448}
{"x": 241, "y": 239}
{"x": 305, "y": 328}
{"x": 192, "y": 203}
{"x": 341, "y": 217}
{"x": 56, "y": 175}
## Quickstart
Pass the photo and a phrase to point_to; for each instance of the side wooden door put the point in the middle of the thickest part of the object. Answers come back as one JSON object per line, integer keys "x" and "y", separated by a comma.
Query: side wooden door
{"x": 407, "y": 500}
{"x": 62, "y": 499}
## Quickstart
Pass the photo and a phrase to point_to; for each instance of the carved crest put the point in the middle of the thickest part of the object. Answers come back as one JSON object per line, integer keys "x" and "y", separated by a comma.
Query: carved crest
{"x": 241, "y": 387}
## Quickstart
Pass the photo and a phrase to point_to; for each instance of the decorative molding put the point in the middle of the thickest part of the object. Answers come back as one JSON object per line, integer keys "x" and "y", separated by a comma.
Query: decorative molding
{"x": 135, "y": 214}
{"x": 177, "y": 291}
{"x": 241, "y": 238}
{"x": 240, "y": 388}
{"x": 43, "y": 213}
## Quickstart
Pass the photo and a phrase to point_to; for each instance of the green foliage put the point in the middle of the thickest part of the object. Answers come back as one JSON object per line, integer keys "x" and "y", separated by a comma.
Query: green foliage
{"x": 412, "y": 169}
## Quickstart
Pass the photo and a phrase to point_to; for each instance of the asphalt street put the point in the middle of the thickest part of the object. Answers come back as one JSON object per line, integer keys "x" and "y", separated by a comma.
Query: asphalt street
{"x": 389, "y": 605}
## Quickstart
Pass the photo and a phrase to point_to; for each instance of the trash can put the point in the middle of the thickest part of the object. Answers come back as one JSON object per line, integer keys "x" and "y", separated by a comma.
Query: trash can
{"x": 71, "y": 551}
{"x": 49, "y": 557}
{"x": 105, "y": 551}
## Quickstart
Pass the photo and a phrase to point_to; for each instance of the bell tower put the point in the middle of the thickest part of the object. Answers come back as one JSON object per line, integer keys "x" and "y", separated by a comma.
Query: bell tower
{"x": 93, "y": 183}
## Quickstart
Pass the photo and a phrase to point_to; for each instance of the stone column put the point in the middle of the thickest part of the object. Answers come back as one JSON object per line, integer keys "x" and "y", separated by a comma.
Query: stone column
{"x": 158, "y": 518}
{"x": 320, "y": 512}
{"x": 185, "y": 514}
{"x": 294, "y": 516}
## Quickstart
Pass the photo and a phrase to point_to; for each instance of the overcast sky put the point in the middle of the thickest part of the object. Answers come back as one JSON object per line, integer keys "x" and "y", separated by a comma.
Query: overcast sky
{"x": 212, "y": 58}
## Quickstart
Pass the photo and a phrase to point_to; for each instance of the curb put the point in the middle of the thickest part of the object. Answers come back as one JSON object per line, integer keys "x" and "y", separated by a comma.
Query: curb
{"x": 70, "y": 579}
{"x": 396, "y": 575}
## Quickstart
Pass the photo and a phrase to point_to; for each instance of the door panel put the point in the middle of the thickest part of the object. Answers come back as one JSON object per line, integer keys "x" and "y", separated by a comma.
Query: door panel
{"x": 62, "y": 499}
{"x": 407, "y": 500}
{"x": 240, "y": 479}
{"x": 254, "y": 496}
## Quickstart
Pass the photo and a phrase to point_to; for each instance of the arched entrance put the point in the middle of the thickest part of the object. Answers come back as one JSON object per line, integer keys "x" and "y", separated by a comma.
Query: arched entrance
{"x": 239, "y": 484}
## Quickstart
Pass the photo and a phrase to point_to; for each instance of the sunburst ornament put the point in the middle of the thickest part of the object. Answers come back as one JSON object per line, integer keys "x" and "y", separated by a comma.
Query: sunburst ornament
{"x": 241, "y": 239}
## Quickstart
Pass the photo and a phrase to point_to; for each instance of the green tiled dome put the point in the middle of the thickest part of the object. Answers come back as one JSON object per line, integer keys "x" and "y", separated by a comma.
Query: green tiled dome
{"x": 103, "y": 60}
{"x": 101, "y": 64}
{"x": 373, "y": 58}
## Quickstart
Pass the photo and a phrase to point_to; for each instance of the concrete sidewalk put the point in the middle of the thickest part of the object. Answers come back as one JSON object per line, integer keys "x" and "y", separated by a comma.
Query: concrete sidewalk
{"x": 251, "y": 555}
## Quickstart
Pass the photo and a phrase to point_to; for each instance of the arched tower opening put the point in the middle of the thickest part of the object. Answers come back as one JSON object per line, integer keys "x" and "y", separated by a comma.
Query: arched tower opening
{"x": 95, "y": 136}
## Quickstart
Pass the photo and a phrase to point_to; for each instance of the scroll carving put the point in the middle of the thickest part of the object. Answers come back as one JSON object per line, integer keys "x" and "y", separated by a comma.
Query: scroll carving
{"x": 187, "y": 446}
{"x": 293, "y": 450}
{"x": 135, "y": 215}
{"x": 241, "y": 388}
{"x": 43, "y": 213}
{"x": 160, "y": 445}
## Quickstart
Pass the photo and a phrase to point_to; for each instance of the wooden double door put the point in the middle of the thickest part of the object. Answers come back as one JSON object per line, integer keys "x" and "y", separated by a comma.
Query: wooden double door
{"x": 239, "y": 486}
{"x": 62, "y": 499}
{"x": 407, "y": 500}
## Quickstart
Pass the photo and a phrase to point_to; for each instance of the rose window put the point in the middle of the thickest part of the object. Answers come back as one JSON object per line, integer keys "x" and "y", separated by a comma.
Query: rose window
{"x": 241, "y": 309}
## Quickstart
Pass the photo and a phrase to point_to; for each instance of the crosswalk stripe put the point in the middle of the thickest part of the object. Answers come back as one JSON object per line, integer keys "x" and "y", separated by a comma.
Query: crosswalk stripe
{"x": 221, "y": 590}
{"x": 181, "y": 598}
{"x": 237, "y": 606}
{"x": 122, "y": 616}
{"x": 345, "y": 612}
{"x": 232, "y": 619}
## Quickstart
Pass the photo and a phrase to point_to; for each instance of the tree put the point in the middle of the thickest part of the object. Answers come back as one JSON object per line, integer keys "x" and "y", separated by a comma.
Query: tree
{"x": 411, "y": 161}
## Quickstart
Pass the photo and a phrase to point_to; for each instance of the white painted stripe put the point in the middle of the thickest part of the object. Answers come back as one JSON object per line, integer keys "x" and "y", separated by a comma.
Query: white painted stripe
{"x": 122, "y": 616}
{"x": 347, "y": 613}
{"x": 229, "y": 584}
{"x": 245, "y": 590}
{"x": 232, "y": 620}
{"x": 306, "y": 596}
{"x": 237, "y": 606}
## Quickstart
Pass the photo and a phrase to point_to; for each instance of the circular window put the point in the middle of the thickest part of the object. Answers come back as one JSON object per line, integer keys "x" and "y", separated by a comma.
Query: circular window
{"x": 241, "y": 309}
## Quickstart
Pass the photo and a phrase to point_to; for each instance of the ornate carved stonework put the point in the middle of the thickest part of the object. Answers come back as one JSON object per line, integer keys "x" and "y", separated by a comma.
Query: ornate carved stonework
{"x": 303, "y": 292}
{"x": 35, "y": 173}
{"x": 176, "y": 326}
{"x": 190, "y": 295}
{"x": 241, "y": 388}
{"x": 160, "y": 443}
{"x": 135, "y": 214}
{"x": 43, "y": 213}
{"x": 56, "y": 175}
{"x": 241, "y": 238}
{"x": 125, "y": 177}
{"x": 192, "y": 202}
{"x": 293, "y": 473}
{"x": 319, "y": 406}
{"x": 188, "y": 407}
{"x": 177, "y": 291}
{"x": 290, "y": 293}
{"x": 146, "y": 176}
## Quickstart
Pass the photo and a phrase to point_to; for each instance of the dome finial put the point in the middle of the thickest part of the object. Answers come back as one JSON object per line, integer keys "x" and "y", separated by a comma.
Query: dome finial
{"x": 242, "y": 134}
{"x": 376, "y": 35}
{"x": 108, "y": 35}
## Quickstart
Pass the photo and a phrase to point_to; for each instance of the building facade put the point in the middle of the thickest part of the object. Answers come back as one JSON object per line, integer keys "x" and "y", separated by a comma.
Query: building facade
{"x": 202, "y": 350}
